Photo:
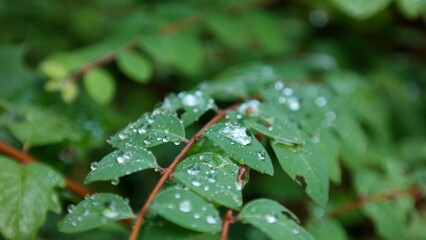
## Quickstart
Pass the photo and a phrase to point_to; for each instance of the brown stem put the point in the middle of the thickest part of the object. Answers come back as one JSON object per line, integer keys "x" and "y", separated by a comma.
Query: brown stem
{"x": 227, "y": 220}
{"x": 73, "y": 186}
{"x": 173, "y": 27}
{"x": 414, "y": 192}
{"x": 169, "y": 171}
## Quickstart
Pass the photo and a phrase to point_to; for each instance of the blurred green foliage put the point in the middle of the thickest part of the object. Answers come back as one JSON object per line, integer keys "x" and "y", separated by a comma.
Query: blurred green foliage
{"x": 72, "y": 73}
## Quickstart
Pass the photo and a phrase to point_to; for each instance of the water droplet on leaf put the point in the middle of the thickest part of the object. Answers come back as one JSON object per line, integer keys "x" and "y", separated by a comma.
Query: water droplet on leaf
{"x": 115, "y": 181}
{"x": 94, "y": 165}
{"x": 185, "y": 206}
{"x": 237, "y": 133}
{"x": 271, "y": 218}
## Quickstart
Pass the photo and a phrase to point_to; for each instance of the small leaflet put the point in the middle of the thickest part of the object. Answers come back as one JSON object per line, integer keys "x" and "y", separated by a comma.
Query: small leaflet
{"x": 213, "y": 177}
{"x": 187, "y": 210}
{"x": 243, "y": 147}
{"x": 94, "y": 211}
{"x": 268, "y": 216}
{"x": 151, "y": 129}
{"x": 121, "y": 163}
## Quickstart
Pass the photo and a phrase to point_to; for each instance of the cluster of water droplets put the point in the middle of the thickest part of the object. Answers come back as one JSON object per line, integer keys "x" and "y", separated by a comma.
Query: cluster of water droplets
{"x": 92, "y": 205}
{"x": 286, "y": 96}
{"x": 150, "y": 130}
{"x": 237, "y": 133}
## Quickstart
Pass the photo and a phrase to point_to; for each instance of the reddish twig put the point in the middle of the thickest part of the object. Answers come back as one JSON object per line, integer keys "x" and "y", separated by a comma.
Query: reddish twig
{"x": 73, "y": 186}
{"x": 414, "y": 192}
{"x": 169, "y": 171}
{"x": 227, "y": 220}
{"x": 173, "y": 27}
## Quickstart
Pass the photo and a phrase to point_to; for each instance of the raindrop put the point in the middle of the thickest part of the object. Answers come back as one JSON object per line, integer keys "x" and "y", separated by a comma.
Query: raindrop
{"x": 261, "y": 155}
{"x": 282, "y": 100}
{"x": 211, "y": 220}
{"x": 142, "y": 130}
{"x": 236, "y": 133}
{"x": 318, "y": 18}
{"x": 94, "y": 165}
{"x": 206, "y": 188}
{"x": 321, "y": 101}
{"x": 238, "y": 186}
{"x": 278, "y": 86}
{"x": 115, "y": 181}
{"x": 177, "y": 195}
{"x": 86, "y": 212}
{"x": 190, "y": 100}
{"x": 71, "y": 208}
{"x": 148, "y": 140}
{"x": 124, "y": 158}
{"x": 293, "y": 104}
{"x": 122, "y": 136}
{"x": 331, "y": 116}
{"x": 196, "y": 183}
{"x": 74, "y": 223}
{"x": 295, "y": 231}
{"x": 195, "y": 170}
{"x": 185, "y": 206}
{"x": 271, "y": 218}
{"x": 288, "y": 91}
{"x": 110, "y": 211}
{"x": 197, "y": 215}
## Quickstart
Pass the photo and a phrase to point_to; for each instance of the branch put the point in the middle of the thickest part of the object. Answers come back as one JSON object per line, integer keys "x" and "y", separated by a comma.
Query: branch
{"x": 169, "y": 171}
{"x": 414, "y": 192}
{"x": 73, "y": 186}
{"x": 228, "y": 219}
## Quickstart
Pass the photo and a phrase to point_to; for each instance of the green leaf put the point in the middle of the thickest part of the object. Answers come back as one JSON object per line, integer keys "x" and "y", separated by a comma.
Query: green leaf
{"x": 390, "y": 218}
{"x": 100, "y": 85}
{"x": 213, "y": 177}
{"x": 94, "y": 211}
{"x": 162, "y": 229}
{"x": 35, "y": 126}
{"x": 267, "y": 215}
{"x": 12, "y": 70}
{"x": 241, "y": 81}
{"x": 194, "y": 104}
{"x": 229, "y": 30}
{"x": 323, "y": 229}
{"x": 305, "y": 165}
{"x": 181, "y": 50}
{"x": 187, "y": 210}
{"x": 121, "y": 163}
{"x": 412, "y": 8}
{"x": 266, "y": 32}
{"x": 27, "y": 193}
{"x": 273, "y": 124}
{"x": 241, "y": 145}
{"x": 150, "y": 130}
{"x": 329, "y": 146}
{"x": 135, "y": 66}
{"x": 361, "y": 9}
